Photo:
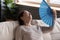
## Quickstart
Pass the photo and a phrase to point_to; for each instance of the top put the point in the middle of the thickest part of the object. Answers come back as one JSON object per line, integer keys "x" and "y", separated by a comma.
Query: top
{"x": 29, "y": 33}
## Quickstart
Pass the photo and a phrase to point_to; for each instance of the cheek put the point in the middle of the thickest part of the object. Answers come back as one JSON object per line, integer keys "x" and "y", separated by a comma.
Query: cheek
{"x": 30, "y": 17}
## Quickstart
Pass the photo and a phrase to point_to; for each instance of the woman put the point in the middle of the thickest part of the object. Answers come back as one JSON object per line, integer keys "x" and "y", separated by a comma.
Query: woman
{"x": 27, "y": 31}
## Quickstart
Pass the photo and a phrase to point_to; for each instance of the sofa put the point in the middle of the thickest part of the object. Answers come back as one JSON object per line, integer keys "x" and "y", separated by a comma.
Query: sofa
{"x": 7, "y": 30}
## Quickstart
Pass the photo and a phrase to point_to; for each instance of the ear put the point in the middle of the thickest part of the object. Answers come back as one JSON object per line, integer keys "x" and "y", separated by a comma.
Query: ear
{"x": 22, "y": 18}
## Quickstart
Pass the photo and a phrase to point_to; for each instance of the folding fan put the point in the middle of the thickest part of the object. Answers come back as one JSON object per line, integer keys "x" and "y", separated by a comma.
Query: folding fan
{"x": 46, "y": 13}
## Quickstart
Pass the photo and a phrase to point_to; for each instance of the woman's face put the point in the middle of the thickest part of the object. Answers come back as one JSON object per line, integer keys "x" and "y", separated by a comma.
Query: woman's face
{"x": 27, "y": 16}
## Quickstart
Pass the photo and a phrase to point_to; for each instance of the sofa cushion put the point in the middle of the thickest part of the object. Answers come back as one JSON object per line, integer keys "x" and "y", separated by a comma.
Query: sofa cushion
{"x": 7, "y": 28}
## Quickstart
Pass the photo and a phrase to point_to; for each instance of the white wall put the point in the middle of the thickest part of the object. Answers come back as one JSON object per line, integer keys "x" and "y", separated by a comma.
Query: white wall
{"x": 55, "y": 1}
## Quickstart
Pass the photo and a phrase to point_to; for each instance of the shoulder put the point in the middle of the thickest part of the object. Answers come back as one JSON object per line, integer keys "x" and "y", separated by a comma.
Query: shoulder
{"x": 18, "y": 28}
{"x": 21, "y": 27}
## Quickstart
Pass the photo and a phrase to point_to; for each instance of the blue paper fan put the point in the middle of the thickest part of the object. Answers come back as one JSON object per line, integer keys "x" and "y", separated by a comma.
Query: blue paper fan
{"x": 46, "y": 13}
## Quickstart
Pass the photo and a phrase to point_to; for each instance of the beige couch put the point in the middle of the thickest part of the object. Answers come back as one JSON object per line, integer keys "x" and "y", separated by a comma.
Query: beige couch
{"x": 7, "y": 29}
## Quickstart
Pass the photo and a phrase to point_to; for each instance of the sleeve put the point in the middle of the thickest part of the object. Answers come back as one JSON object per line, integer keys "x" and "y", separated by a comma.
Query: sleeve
{"x": 18, "y": 34}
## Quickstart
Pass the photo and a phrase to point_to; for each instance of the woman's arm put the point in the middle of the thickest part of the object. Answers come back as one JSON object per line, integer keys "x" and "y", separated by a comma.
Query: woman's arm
{"x": 55, "y": 14}
{"x": 43, "y": 28}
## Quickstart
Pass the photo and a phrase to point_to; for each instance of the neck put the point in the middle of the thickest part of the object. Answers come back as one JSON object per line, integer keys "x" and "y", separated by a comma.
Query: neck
{"x": 28, "y": 23}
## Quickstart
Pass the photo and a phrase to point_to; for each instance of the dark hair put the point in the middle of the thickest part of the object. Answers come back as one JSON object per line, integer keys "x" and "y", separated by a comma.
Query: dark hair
{"x": 21, "y": 22}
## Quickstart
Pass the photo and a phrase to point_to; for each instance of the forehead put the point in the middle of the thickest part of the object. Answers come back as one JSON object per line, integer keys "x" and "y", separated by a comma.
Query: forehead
{"x": 26, "y": 12}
